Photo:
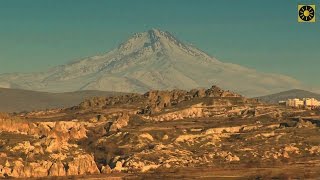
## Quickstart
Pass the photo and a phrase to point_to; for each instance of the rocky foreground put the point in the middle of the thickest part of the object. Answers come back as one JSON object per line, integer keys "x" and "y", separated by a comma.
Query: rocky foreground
{"x": 197, "y": 133}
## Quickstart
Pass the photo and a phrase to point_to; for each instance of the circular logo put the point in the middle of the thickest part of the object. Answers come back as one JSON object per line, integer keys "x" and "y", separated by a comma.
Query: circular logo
{"x": 306, "y": 13}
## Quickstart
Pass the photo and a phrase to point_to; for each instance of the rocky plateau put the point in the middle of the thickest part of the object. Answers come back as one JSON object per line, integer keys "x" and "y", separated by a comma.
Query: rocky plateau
{"x": 206, "y": 133}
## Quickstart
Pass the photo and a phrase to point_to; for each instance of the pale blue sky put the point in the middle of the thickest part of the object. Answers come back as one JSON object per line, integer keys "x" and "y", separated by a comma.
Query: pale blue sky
{"x": 38, "y": 34}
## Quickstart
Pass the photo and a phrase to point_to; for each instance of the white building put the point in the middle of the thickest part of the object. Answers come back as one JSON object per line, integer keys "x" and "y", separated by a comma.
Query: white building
{"x": 294, "y": 102}
{"x": 311, "y": 102}
{"x": 307, "y": 102}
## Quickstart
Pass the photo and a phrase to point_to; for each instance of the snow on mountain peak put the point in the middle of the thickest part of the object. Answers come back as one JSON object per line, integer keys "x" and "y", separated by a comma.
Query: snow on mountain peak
{"x": 157, "y": 41}
{"x": 153, "y": 59}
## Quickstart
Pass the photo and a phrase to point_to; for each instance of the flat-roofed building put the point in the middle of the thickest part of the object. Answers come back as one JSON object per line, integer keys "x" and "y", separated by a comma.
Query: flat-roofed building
{"x": 306, "y": 102}
{"x": 311, "y": 102}
{"x": 294, "y": 102}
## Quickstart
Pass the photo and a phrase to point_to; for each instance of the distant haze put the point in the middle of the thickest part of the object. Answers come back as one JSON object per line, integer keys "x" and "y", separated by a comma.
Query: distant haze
{"x": 15, "y": 100}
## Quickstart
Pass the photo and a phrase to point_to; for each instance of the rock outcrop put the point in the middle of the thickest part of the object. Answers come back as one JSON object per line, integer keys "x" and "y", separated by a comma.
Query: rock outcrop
{"x": 121, "y": 122}
{"x": 57, "y": 169}
{"x": 82, "y": 164}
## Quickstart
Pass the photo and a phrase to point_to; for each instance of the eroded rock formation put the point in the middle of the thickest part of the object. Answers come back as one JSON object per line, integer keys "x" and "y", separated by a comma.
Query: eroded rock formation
{"x": 159, "y": 131}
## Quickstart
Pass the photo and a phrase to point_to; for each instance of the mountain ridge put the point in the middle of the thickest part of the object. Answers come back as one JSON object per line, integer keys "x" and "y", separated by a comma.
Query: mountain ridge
{"x": 150, "y": 60}
{"x": 284, "y": 95}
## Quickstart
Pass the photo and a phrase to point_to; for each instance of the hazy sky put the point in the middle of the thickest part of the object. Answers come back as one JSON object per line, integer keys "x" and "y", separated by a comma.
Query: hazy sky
{"x": 39, "y": 34}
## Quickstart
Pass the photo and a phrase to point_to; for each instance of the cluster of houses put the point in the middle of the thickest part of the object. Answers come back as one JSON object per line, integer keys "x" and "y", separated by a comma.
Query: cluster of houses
{"x": 305, "y": 102}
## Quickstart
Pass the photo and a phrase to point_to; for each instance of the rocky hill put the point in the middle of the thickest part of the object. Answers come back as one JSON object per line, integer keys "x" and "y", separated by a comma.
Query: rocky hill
{"x": 150, "y": 60}
{"x": 294, "y": 93}
{"x": 201, "y": 133}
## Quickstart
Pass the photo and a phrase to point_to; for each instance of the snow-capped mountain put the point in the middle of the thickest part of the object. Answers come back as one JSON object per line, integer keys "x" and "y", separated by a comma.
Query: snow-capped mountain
{"x": 150, "y": 60}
